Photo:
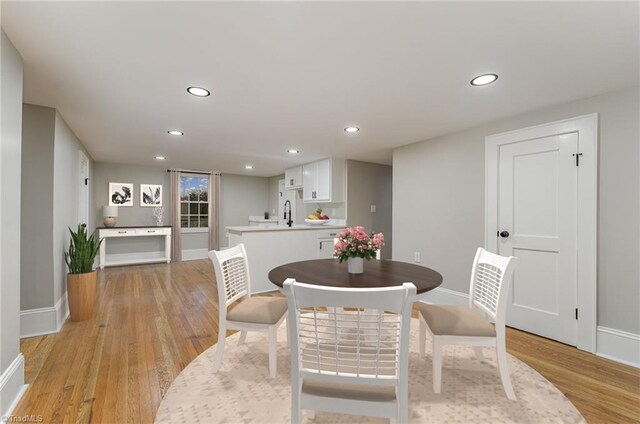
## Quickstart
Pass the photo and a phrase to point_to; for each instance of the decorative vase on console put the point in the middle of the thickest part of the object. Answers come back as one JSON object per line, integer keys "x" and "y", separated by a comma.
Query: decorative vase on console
{"x": 158, "y": 211}
{"x": 354, "y": 245}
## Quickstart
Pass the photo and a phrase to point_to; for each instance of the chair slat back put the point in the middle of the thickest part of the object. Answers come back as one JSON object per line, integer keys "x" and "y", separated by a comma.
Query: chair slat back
{"x": 366, "y": 341}
{"x": 232, "y": 274}
{"x": 491, "y": 277}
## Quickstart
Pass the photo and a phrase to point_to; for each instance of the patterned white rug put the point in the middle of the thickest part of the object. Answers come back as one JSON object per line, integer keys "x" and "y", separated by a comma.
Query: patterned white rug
{"x": 241, "y": 392}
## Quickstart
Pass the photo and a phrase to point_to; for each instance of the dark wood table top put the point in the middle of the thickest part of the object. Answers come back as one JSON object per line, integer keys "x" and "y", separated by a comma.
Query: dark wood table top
{"x": 332, "y": 273}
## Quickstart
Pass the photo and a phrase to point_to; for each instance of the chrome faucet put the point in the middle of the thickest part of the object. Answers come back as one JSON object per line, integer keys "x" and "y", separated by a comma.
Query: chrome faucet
{"x": 289, "y": 221}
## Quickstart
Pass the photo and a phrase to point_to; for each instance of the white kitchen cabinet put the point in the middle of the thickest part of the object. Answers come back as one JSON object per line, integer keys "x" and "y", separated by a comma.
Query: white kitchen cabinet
{"x": 293, "y": 178}
{"x": 324, "y": 181}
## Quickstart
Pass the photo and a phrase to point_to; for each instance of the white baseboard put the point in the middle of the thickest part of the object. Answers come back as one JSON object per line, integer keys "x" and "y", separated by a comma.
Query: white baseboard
{"x": 12, "y": 386}
{"x": 619, "y": 346}
{"x": 442, "y": 296}
{"x": 193, "y": 254}
{"x": 41, "y": 321}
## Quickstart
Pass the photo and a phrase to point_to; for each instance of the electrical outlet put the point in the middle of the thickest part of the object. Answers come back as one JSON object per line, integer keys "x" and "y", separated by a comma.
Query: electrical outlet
{"x": 373, "y": 208}
{"x": 416, "y": 257}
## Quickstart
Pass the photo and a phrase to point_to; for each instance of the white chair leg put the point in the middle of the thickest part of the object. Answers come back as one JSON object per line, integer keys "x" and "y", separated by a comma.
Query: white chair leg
{"x": 296, "y": 412}
{"x": 217, "y": 360}
{"x": 501, "y": 353}
{"x": 422, "y": 336}
{"x": 437, "y": 365}
{"x": 402, "y": 392}
{"x": 479, "y": 354}
{"x": 273, "y": 331}
{"x": 243, "y": 337}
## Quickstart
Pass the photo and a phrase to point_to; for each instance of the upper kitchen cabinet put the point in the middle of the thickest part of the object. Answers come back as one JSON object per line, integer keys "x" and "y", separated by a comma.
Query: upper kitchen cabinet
{"x": 293, "y": 178}
{"x": 323, "y": 181}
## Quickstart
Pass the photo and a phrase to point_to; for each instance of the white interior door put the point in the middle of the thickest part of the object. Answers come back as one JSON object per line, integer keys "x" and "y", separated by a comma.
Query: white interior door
{"x": 537, "y": 210}
{"x": 83, "y": 189}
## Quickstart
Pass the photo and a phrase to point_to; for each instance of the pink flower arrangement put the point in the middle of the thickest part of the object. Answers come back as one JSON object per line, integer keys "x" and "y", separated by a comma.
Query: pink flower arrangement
{"x": 353, "y": 242}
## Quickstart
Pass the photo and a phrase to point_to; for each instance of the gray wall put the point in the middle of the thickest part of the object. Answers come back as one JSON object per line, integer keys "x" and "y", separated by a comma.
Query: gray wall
{"x": 136, "y": 175}
{"x": 50, "y": 174}
{"x": 370, "y": 184}
{"x": 36, "y": 242}
{"x": 10, "y": 164}
{"x": 438, "y": 200}
{"x": 66, "y": 179}
{"x": 135, "y": 215}
{"x": 240, "y": 197}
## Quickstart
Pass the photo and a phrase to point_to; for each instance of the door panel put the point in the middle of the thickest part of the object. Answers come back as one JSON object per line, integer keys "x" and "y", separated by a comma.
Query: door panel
{"x": 537, "y": 205}
{"x": 83, "y": 188}
{"x": 537, "y": 284}
{"x": 535, "y": 177}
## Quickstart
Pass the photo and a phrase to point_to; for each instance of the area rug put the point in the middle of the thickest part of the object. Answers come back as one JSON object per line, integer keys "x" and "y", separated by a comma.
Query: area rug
{"x": 242, "y": 392}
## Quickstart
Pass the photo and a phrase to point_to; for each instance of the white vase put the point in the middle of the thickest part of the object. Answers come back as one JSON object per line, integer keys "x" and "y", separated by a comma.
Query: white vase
{"x": 355, "y": 265}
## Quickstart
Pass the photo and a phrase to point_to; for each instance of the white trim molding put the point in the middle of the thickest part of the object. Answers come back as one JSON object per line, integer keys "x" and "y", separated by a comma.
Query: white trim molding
{"x": 587, "y": 257}
{"x": 41, "y": 321}
{"x": 619, "y": 346}
{"x": 12, "y": 386}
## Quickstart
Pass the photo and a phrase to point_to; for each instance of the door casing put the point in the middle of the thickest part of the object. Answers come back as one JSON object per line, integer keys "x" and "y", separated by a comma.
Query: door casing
{"x": 586, "y": 127}
{"x": 83, "y": 188}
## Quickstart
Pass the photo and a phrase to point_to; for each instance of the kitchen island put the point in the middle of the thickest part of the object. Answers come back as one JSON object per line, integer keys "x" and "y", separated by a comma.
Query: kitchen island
{"x": 269, "y": 247}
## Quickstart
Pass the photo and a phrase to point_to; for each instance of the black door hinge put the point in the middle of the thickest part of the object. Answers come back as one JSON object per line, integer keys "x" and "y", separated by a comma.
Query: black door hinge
{"x": 576, "y": 313}
{"x": 577, "y": 156}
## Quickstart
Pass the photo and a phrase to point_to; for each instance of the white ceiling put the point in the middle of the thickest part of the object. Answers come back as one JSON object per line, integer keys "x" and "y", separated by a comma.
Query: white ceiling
{"x": 295, "y": 74}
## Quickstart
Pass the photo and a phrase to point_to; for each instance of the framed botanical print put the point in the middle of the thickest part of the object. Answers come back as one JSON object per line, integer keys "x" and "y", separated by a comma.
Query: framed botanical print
{"x": 150, "y": 195}
{"x": 120, "y": 194}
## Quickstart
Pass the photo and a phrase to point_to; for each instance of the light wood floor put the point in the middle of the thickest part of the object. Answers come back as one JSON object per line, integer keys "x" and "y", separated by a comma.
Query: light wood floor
{"x": 152, "y": 320}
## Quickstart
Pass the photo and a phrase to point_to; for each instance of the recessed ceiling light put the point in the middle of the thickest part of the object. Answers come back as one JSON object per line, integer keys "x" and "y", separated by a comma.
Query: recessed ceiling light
{"x": 248, "y": 167}
{"x": 352, "y": 129}
{"x": 160, "y": 157}
{"x": 198, "y": 91}
{"x": 175, "y": 132}
{"x": 293, "y": 151}
{"x": 484, "y": 79}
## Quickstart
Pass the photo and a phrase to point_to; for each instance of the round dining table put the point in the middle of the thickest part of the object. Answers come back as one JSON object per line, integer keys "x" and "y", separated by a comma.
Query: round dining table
{"x": 377, "y": 273}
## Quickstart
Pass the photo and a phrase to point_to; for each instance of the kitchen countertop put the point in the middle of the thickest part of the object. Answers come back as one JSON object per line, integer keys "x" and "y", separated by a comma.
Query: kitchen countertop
{"x": 253, "y": 229}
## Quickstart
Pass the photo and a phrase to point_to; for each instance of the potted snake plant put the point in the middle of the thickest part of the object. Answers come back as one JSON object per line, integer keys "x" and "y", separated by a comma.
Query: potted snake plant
{"x": 81, "y": 279}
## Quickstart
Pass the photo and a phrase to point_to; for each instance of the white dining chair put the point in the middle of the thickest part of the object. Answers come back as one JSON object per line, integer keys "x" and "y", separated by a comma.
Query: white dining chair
{"x": 491, "y": 278}
{"x": 337, "y": 366}
{"x": 258, "y": 313}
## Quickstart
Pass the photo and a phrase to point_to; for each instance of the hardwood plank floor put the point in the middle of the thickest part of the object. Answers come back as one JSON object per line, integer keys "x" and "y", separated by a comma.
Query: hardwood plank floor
{"x": 152, "y": 320}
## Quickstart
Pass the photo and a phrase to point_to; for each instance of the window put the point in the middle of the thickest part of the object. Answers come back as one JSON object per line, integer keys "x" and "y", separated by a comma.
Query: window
{"x": 194, "y": 201}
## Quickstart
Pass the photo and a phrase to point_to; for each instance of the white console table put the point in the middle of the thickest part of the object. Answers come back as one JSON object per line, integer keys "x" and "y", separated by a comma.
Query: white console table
{"x": 106, "y": 233}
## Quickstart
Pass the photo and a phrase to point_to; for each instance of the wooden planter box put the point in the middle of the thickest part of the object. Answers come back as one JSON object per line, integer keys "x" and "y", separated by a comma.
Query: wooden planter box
{"x": 81, "y": 291}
